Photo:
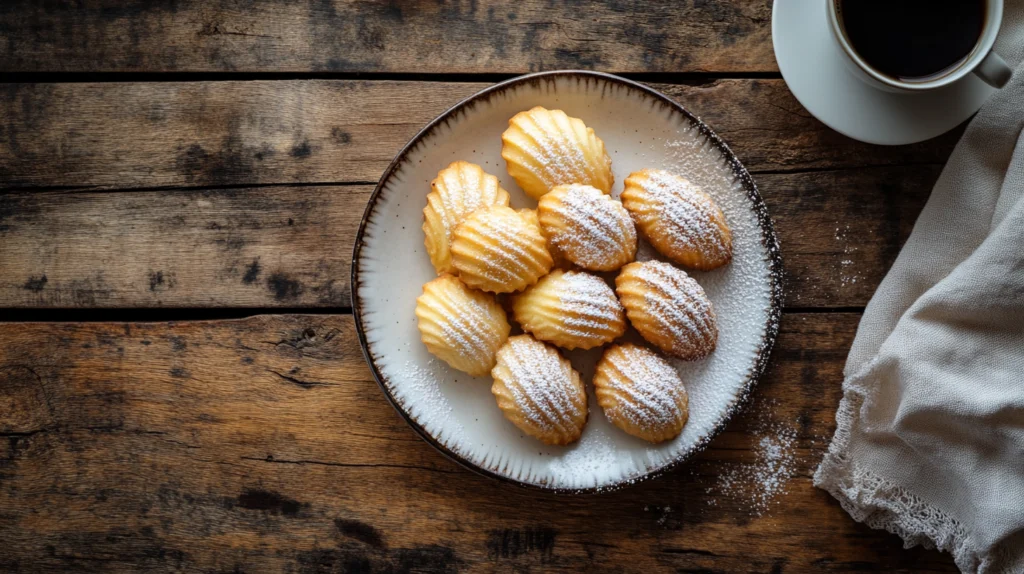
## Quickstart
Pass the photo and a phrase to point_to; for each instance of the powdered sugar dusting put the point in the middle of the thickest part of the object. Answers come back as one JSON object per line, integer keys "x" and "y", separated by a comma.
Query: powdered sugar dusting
{"x": 500, "y": 247}
{"x": 595, "y": 229}
{"x": 586, "y": 461}
{"x": 848, "y": 274}
{"x": 561, "y": 158}
{"x": 759, "y": 485}
{"x": 541, "y": 383}
{"x": 508, "y": 253}
{"x": 463, "y": 188}
{"x": 468, "y": 326}
{"x": 425, "y": 380}
{"x": 589, "y": 303}
{"x": 678, "y": 304}
{"x": 649, "y": 390}
{"x": 688, "y": 217}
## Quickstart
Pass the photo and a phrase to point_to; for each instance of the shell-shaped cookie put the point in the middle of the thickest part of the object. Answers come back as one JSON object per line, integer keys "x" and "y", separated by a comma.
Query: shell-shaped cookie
{"x": 574, "y": 310}
{"x": 668, "y": 308}
{"x": 682, "y": 222}
{"x": 539, "y": 391}
{"x": 458, "y": 190}
{"x": 498, "y": 250}
{"x": 461, "y": 326}
{"x": 544, "y": 148}
{"x": 587, "y": 227}
{"x": 641, "y": 393}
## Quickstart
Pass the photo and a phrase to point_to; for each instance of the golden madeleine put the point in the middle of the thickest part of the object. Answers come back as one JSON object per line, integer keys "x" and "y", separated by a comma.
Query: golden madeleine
{"x": 641, "y": 393}
{"x": 544, "y": 148}
{"x": 458, "y": 190}
{"x": 538, "y": 391}
{"x": 461, "y": 326}
{"x": 498, "y": 250}
{"x": 682, "y": 222}
{"x": 668, "y": 308}
{"x": 587, "y": 227}
{"x": 574, "y": 310}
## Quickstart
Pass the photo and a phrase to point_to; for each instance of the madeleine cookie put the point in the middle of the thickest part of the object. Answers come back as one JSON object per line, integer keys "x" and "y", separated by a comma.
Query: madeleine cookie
{"x": 498, "y": 250}
{"x": 574, "y": 310}
{"x": 544, "y": 148}
{"x": 682, "y": 222}
{"x": 458, "y": 190}
{"x": 668, "y": 308}
{"x": 641, "y": 393}
{"x": 587, "y": 227}
{"x": 539, "y": 391}
{"x": 461, "y": 326}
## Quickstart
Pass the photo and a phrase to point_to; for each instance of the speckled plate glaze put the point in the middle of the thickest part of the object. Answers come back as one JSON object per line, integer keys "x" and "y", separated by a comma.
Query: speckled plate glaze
{"x": 457, "y": 413}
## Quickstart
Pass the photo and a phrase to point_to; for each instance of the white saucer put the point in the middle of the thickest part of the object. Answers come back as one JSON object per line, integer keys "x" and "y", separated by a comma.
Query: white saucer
{"x": 816, "y": 72}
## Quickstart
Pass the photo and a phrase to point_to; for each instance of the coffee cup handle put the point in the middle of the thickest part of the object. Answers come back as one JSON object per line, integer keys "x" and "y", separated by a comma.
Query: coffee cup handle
{"x": 994, "y": 70}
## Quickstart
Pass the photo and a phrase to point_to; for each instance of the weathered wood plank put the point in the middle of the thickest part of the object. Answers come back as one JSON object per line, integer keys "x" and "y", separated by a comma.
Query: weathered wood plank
{"x": 840, "y": 231}
{"x": 273, "y": 246}
{"x": 291, "y": 246}
{"x": 182, "y": 447}
{"x": 113, "y": 135}
{"x": 420, "y": 36}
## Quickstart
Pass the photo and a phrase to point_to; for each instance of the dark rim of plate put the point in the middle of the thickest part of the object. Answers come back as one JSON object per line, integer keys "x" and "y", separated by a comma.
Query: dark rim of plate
{"x": 768, "y": 241}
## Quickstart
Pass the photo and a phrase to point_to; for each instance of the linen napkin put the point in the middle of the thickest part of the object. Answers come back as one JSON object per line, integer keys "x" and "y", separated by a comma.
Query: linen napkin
{"x": 930, "y": 437}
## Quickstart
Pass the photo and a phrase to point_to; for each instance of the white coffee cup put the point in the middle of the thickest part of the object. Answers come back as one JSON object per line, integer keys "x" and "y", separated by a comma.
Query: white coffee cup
{"x": 982, "y": 60}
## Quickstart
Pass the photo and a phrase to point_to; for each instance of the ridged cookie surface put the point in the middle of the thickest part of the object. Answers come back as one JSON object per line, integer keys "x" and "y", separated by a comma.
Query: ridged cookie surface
{"x": 641, "y": 393}
{"x": 682, "y": 222}
{"x": 461, "y": 326}
{"x": 668, "y": 308}
{"x": 458, "y": 190}
{"x": 587, "y": 227}
{"x": 571, "y": 309}
{"x": 544, "y": 148}
{"x": 498, "y": 250}
{"x": 539, "y": 392}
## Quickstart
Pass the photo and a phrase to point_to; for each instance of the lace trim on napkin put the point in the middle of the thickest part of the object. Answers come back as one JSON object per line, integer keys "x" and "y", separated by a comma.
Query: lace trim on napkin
{"x": 873, "y": 500}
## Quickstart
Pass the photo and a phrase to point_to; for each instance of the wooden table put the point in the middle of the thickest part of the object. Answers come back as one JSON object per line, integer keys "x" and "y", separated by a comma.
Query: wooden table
{"x": 181, "y": 388}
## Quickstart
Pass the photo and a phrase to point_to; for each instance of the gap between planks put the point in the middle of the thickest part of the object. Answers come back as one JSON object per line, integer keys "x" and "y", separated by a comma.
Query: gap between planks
{"x": 228, "y": 187}
{"x": 178, "y": 315}
{"x": 182, "y": 188}
{"x": 680, "y": 78}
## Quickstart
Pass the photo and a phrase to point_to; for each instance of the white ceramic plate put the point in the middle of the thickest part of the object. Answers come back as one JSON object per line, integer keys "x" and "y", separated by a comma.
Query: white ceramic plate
{"x": 817, "y": 74}
{"x": 457, "y": 413}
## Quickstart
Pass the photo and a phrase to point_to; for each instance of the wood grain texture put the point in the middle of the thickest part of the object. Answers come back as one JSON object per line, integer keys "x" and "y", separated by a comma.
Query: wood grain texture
{"x": 263, "y": 445}
{"x": 130, "y": 135}
{"x": 410, "y": 36}
{"x": 268, "y": 246}
{"x": 291, "y": 246}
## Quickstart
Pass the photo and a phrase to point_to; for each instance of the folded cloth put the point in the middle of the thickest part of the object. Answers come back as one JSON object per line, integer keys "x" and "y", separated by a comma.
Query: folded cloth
{"x": 930, "y": 437}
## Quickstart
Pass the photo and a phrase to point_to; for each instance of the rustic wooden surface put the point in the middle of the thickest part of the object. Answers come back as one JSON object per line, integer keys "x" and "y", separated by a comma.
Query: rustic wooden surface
{"x": 375, "y": 36}
{"x": 263, "y": 445}
{"x": 195, "y": 158}
{"x": 303, "y": 131}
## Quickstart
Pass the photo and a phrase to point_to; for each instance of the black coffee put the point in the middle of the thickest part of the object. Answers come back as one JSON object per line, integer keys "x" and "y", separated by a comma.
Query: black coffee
{"x": 910, "y": 39}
